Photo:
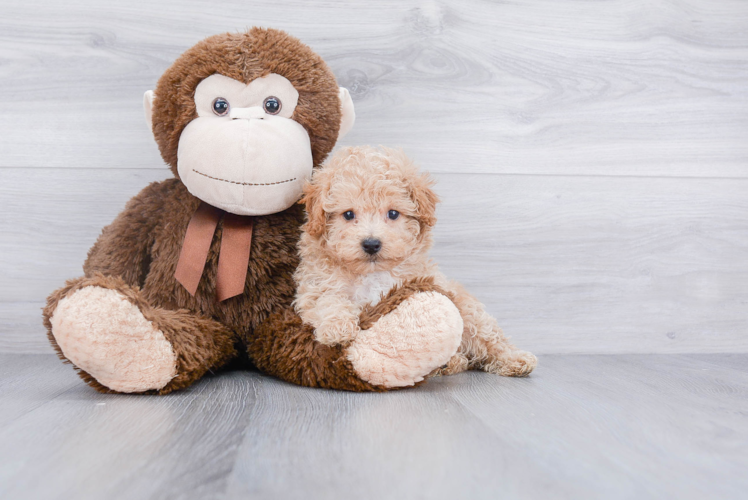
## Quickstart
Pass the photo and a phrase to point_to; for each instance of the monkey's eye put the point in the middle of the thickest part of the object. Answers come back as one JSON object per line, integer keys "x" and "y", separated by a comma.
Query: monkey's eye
{"x": 393, "y": 214}
{"x": 220, "y": 106}
{"x": 272, "y": 105}
{"x": 349, "y": 215}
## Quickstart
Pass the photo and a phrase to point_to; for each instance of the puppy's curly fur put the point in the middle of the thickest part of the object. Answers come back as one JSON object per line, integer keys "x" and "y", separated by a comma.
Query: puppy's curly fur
{"x": 376, "y": 195}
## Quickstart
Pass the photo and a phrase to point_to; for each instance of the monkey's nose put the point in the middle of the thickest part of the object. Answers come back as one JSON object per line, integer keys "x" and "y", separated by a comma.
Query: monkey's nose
{"x": 255, "y": 112}
{"x": 371, "y": 245}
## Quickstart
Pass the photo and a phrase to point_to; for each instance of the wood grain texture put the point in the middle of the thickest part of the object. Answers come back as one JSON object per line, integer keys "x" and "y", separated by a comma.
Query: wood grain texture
{"x": 566, "y": 263}
{"x": 617, "y": 87}
{"x": 28, "y": 382}
{"x": 21, "y": 329}
{"x": 623, "y": 426}
{"x": 88, "y": 445}
{"x": 661, "y": 408}
{"x": 591, "y": 155}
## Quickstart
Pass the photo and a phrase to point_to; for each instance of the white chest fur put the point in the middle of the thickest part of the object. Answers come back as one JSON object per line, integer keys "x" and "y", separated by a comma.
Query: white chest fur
{"x": 368, "y": 289}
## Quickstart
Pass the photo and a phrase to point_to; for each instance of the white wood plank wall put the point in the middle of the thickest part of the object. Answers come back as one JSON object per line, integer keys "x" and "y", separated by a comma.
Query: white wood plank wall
{"x": 592, "y": 155}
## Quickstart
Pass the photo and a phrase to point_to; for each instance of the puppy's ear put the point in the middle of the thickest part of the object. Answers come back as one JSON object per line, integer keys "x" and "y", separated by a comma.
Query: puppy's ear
{"x": 313, "y": 199}
{"x": 425, "y": 199}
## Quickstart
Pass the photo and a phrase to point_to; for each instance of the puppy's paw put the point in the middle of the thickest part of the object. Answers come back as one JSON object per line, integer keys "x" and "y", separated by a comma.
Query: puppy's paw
{"x": 457, "y": 364}
{"x": 337, "y": 332}
{"x": 514, "y": 363}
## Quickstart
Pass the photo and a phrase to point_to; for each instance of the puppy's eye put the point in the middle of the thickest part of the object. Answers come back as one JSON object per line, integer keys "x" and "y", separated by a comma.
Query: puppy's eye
{"x": 349, "y": 215}
{"x": 393, "y": 214}
{"x": 220, "y": 106}
{"x": 272, "y": 105}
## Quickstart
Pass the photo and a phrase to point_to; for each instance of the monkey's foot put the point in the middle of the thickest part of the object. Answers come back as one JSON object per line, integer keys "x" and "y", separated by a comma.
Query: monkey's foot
{"x": 107, "y": 336}
{"x": 407, "y": 343}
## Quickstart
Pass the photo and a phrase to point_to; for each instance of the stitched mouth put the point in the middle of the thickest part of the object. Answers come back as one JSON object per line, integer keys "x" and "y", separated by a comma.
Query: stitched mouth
{"x": 244, "y": 183}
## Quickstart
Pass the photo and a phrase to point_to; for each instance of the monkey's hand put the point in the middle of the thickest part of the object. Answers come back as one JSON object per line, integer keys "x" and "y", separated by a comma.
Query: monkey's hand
{"x": 411, "y": 332}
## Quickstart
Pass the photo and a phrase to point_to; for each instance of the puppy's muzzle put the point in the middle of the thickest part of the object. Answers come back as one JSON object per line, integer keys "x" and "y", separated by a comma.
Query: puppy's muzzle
{"x": 371, "y": 245}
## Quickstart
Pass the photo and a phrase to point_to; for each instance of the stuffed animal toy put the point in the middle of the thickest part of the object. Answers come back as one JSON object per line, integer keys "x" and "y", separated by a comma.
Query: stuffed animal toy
{"x": 369, "y": 229}
{"x": 197, "y": 271}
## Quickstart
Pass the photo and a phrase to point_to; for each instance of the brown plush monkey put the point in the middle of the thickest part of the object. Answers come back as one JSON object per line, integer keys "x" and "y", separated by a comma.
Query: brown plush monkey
{"x": 197, "y": 270}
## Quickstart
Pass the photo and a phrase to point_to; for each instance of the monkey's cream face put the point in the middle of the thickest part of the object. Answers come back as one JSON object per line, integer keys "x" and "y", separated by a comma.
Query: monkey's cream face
{"x": 244, "y": 153}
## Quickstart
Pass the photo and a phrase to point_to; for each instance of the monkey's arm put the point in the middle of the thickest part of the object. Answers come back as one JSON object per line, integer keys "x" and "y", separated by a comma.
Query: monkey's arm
{"x": 414, "y": 330}
{"x": 123, "y": 248}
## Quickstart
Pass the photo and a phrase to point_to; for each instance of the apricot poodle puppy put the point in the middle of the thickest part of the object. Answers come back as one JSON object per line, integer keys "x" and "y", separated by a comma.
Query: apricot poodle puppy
{"x": 370, "y": 215}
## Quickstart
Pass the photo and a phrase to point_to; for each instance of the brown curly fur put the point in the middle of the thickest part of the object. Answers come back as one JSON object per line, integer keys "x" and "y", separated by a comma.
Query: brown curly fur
{"x": 137, "y": 254}
{"x": 296, "y": 357}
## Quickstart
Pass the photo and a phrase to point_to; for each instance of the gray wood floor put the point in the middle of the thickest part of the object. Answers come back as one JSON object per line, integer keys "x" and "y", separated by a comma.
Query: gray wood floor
{"x": 583, "y": 426}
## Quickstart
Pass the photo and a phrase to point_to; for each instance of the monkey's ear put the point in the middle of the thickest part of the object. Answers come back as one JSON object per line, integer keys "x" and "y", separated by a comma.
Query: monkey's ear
{"x": 148, "y": 107}
{"x": 348, "y": 115}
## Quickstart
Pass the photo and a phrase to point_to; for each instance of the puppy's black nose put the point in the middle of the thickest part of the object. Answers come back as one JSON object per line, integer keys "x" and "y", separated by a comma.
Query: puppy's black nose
{"x": 371, "y": 245}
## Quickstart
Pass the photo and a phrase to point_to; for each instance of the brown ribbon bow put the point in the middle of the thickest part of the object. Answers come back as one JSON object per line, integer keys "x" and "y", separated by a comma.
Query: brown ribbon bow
{"x": 233, "y": 258}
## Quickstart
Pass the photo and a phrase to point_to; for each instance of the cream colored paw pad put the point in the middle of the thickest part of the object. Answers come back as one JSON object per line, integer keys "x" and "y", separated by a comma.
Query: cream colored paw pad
{"x": 407, "y": 344}
{"x": 106, "y": 335}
